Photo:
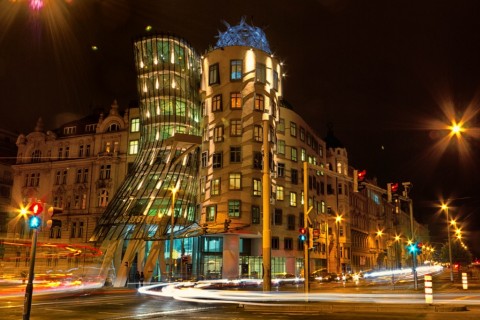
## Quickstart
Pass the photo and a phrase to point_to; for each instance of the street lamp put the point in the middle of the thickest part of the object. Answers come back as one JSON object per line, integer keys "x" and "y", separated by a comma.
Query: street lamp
{"x": 379, "y": 234}
{"x": 338, "y": 219}
{"x": 397, "y": 240}
{"x": 172, "y": 223}
{"x": 445, "y": 208}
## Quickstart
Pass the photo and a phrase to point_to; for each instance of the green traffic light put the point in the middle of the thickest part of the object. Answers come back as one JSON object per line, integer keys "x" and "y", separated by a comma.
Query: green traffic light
{"x": 34, "y": 222}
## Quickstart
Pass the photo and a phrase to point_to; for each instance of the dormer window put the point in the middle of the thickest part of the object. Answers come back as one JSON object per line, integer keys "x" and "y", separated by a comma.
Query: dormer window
{"x": 113, "y": 127}
{"x": 70, "y": 130}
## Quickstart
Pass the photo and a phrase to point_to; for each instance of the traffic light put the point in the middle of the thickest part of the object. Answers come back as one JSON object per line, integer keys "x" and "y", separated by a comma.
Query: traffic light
{"x": 303, "y": 234}
{"x": 36, "y": 208}
{"x": 310, "y": 238}
{"x": 51, "y": 222}
{"x": 392, "y": 189}
{"x": 360, "y": 176}
{"x": 34, "y": 222}
{"x": 419, "y": 247}
{"x": 415, "y": 248}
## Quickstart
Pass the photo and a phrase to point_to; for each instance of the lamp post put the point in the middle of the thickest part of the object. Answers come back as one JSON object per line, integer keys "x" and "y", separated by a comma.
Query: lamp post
{"x": 379, "y": 234}
{"x": 338, "y": 219}
{"x": 172, "y": 223}
{"x": 445, "y": 208}
{"x": 397, "y": 240}
{"x": 266, "y": 232}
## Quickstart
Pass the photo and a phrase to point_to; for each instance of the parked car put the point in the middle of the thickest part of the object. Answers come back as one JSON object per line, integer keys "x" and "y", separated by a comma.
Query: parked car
{"x": 284, "y": 278}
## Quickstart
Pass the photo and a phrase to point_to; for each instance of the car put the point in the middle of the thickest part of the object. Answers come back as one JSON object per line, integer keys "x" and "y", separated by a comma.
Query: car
{"x": 317, "y": 274}
{"x": 284, "y": 278}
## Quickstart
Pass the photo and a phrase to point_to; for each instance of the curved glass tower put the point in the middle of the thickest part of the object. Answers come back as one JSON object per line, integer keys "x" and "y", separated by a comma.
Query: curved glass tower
{"x": 162, "y": 180}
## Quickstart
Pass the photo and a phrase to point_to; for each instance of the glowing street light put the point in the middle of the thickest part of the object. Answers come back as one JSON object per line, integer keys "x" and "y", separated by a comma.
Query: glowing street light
{"x": 445, "y": 208}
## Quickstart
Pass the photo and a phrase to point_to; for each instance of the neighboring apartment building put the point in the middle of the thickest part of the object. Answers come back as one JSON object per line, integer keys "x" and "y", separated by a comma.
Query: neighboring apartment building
{"x": 174, "y": 187}
{"x": 75, "y": 169}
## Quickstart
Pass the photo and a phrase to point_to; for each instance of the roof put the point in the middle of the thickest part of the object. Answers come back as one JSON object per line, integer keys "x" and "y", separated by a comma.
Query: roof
{"x": 243, "y": 34}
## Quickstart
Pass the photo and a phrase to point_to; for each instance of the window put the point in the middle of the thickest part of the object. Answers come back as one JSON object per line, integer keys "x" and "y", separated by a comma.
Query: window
{"x": 215, "y": 187}
{"x": 293, "y": 129}
{"x": 303, "y": 154}
{"x": 103, "y": 198}
{"x": 135, "y": 125}
{"x": 235, "y": 154}
{"x": 133, "y": 147}
{"x": 80, "y": 229}
{"x": 60, "y": 153}
{"x": 213, "y": 74}
{"x": 73, "y": 231}
{"x": 58, "y": 175}
{"x": 277, "y": 217}
{"x": 257, "y": 187}
{"x": 275, "y": 243}
{"x": 258, "y": 133}
{"x": 85, "y": 175}
{"x": 64, "y": 177}
{"x": 204, "y": 159}
{"x": 281, "y": 125}
{"x": 205, "y": 134}
{"x": 90, "y": 127}
{"x": 113, "y": 127}
{"x": 255, "y": 215}
{"x": 281, "y": 147}
{"x": 294, "y": 176}
{"x": 302, "y": 133}
{"x": 218, "y": 134}
{"x": 217, "y": 103}
{"x": 281, "y": 169}
{"x": 80, "y": 150}
{"x": 235, "y": 181}
{"x": 87, "y": 150}
{"x": 105, "y": 171}
{"x": 275, "y": 80}
{"x": 261, "y": 73}
{"x": 234, "y": 208}
{"x": 69, "y": 130}
{"x": 78, "y": 178}
{"x": 217, "y": 160}
{"x": 280, "y": 193}
{"x": 235, "y": 128}
{"x": 236, "y": 70}
{"x": 293, "y": 199}
{"x": 203, "y": 184}
{"x": 288, "y": 244}
{"x": 293, "y": 154}
{"x": 259, "y": 102}
{"x": 257, "y": 160}
{"x": 291, "y": 222}
{"x": 236, "y": 100}
{"x": 67, "y": 152}
{"x": 36, "y": 156}
{"x": 211, "y": 213}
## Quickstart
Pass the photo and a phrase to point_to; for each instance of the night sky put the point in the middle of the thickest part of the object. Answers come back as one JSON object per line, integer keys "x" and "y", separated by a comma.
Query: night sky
{"x": 390, "y": 76}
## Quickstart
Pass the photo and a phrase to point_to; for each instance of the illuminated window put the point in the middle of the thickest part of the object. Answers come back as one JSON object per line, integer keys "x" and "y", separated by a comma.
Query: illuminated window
{"x": 261, "y": 73}
{"x": 69, "y": 130}
{"x": 218, "y": 134}
{"x": 103, "y": 198}
{"x": 215, "y": 187}
{"x": 235, "y": 100}
{"x": 293, "y": 153}
{"x": 236, "y": 70}
{"x": 281, "y": 147}
{"x": 258, "y": 133}
{"x": 135, "y": 125}
{"x": 303, "y": 154}
{"x": 213, "y": 74}
{"x": 217, "y": 103}
{"x": 281, "y": 125}
{"x": 293, "y": 199}
{"x": 234, "y": 208}
{"x": 235, "y": 181}
{"x": 293, "y": 129}
{"x": 133, "y": 147}
{"x": 235, "y": 128}
{"x": 211, "y": 213}
{"x": 259, "y": 102}
{"x": 280, "y": 193}
{"x": 257, "y": 187}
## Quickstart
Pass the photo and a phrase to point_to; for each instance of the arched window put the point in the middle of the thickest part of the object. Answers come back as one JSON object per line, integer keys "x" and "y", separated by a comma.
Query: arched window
{"x": 36, "y": 156}
{"x": 113, "y": 127}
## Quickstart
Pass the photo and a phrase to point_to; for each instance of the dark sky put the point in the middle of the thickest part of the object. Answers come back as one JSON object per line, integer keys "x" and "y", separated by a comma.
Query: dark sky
{"x": 386, "y": 74}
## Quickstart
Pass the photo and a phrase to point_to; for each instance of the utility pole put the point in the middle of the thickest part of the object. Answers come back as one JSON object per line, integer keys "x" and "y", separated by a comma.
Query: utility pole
{"x": 406, "y": 186}
{"x": 266, "y": 237}
{"x": 305, "y": 225}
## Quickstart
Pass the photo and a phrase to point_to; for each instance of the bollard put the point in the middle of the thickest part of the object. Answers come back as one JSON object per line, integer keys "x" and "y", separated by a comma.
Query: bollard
{"x": 464, "y": 280}
{"x": 428, "y": 288}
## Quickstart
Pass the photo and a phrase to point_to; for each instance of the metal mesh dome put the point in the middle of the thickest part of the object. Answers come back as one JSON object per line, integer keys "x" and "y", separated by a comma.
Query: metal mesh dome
{"x": 243, "y": 35}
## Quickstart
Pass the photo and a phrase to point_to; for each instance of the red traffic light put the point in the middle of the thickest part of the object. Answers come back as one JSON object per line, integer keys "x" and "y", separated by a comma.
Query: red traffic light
{"x": 394, "y": 187}
{"x": 36, "y": 208}
{"x": 361, "y": 175}
{"x": 302, "y": 231}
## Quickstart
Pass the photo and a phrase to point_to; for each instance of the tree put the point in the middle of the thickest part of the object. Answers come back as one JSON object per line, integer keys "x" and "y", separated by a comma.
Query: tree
{"x": 459, "y": 254}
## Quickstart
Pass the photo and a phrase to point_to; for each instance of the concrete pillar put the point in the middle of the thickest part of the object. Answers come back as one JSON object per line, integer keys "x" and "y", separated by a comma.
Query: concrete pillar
{"x": 231, "y": 255}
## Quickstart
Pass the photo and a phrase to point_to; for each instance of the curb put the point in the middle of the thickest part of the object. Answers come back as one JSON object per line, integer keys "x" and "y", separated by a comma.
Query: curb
{"x": 359, "y": 307}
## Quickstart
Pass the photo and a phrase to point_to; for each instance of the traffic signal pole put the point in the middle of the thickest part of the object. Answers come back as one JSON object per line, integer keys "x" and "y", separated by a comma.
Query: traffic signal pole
{"x": 29, "y": 289}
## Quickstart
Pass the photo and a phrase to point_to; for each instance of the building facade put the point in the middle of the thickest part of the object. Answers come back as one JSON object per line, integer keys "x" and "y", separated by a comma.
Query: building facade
{"x": 174, "y": 187}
